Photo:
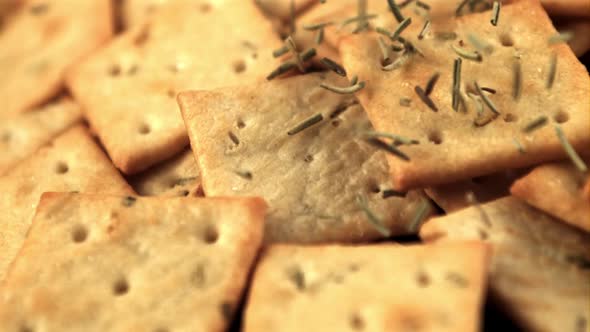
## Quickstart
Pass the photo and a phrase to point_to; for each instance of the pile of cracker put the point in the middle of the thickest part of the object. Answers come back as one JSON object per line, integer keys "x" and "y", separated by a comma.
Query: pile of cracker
{"x": 307, "y": 165}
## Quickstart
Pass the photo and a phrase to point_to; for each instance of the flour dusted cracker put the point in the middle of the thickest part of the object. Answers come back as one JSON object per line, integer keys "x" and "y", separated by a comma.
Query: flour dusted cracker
{"x": 461, "y": 144}
{"x": 42, "y": 40}
{"x": 312, "y": 180}
{"x": 178, "y": 176}
{"x": 22, "y": 134}
{"x": 557, "y": 189}
{"x": 539, "y": 268}
{"x": 120, "y": 263}
{"x": 71, "y": 162}
{"x": 128, "y": 89}
{"x": 459, "y": 195}
{"x": 369, "y": 288}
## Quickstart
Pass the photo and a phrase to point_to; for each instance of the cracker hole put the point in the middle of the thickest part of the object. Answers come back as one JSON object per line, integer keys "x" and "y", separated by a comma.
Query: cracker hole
{"x": 161, "y": 329}
{"x": 561, "y": 117}
{"x": 506, "y": 40}
{"x": 171, "y": 93}
{"x": 308, "y": 158}
{"x": 509, "y": 117}
{"x": 79, "y": 234}
{"x": 297, "y": 277}
{"x": 239, "y": 66}
{"x": 26, "y": 328}
{"x": 114, "y": 70}
{"x": 422, "y": 279}
{"x": 374, "y": 188}
{"x": 336, "y": 123}
{"x": 435, "y": 137}
{"x": 483, "y": 234}
{"x": 211, "y": 235}
{"x": 144, "y": 129}
{"x": 240, "y": 124}
{"x": 205, "y": 7}
{"x": 184, "y": 193}
{"x": 356, "y": 322}
{"x": 61, "y": 168}
{"x": 5, "y": 137}
{"x": 120, "y": 287}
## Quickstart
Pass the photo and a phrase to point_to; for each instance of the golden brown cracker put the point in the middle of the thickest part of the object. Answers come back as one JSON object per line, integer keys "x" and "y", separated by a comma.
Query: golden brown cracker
{"x": 41, "y": 41}
{"x": 311, "y": 180}
{"x": 540, "y": 267}
{"x": 556, "y": 189}
{"x": 129, "y": 88}
{"x": 22, "y": 134}
{"x": 459, "y": 144}
{"x": 369, "y": 288}
{"x": 71, "y": 162}
{"x": 115, "y": 263}
{"x": 178, "y": 176}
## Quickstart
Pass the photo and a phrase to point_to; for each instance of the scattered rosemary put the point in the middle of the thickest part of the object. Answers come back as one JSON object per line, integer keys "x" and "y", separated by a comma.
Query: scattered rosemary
{"x": 569, "y": 149}
{"x": 516, "y": 80}
{"x": 396, "y": 139}
{"x": 379, "y": 144}
{"x": 361, "y": 200}
{"x": 296, "y": 55}
{"x": 355, "y": 86}
{"x": 319, "y": 38}
{"x": 552, "y": 71}
{"x": 424, "y": 29}
{"x": 431, "y": 83}
{"x": 535, "y": 124}
{"x": 561, "y": 38}
{"x": 421, "y": 213}
{"x": 395, "y": 10}
{"x": 385, "y": 51}
{"x": 405, "y": 102}
{"x": 289, "y": 65}
{"x": 362, "y": 18}
{"x": 425, "y": 98}
{"x": 334, "y": 66}
{"x": 488, "y": 90}
{"x": 479, "y": 44}
{"x": 456, "y": 83}
{"x": 233, "y": 138}
{"x": 392, "y": 193}
{"x": 128, "y": 201}
{"x": 422, "y": 5}
{"x": 292, "y": 15}
{"x": 244, "y": 174}
{"x": 474, "y": 56}
{"x": 306, "y": 124}
{"x": 519, "y": 146}
{"x": 280, "y": 51}
{"x": 485, "y": 99}
{"x": 495, "y": 13}
{"x": 400, "y": 28}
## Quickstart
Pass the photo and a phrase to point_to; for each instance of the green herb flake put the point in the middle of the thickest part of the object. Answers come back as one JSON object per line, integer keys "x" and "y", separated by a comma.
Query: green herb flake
{"x": 495, "y": 13}
{"x": 570, "y": 151}
{"x": 361, "y": 201}
{"x": 469, "y": 55}
{"x": 535, "y": 124}
{"x": 128, "y": 201}
{"x": 391, "y": 149}
{"x": 425, "y": 98}
{"x": 306, "y": 124}
{"x": 418, "y": 220}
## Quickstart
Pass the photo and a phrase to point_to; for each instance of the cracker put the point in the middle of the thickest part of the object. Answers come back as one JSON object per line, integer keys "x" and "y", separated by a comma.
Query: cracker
{"x": 113, "y": 263}
{"x": 369, "y": 288}
{"x": 539, "y": 268}
{"x": 454, "y": 196}
{"x": 41, "y": 41}
{"x": 176, "y": 177}
{"x": 22, "y": 134}
{"x": 71, "y": 162}
{"x": 129, "y": 88}
{"x": 556, "y": 189}
{"x": 454, "y": 147}
{"x": 311, "y": 180}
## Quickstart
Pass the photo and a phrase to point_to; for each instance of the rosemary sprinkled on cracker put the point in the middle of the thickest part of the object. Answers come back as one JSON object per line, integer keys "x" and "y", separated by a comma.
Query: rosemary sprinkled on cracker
{"x": 354, "y": 87}
{"x": 385, "y": 51}
{"x": 128, "y": 201}
{"x": 418, "y": 219}
{"x": 334, "y": 66}
{"x": 536, "y": 124}
{"x": 400, "y": 28}
{"x": 431, "y": 83}
{"x": 244, "y": 174}
{"x": 485, "y": 98}
{"x": 396, "y": 139}
{"x": 425, "y": 98}
{"x": 456, "y": 82}
{"x": 361, "y": 200}
{"x": 469, "y": 55}
{"x": 424, "y": 29}
{"x": 406, "y": 102}
{"x": 391, "y": 149}
{"x": 563, "y": 37}
{"x": 552, "y": 71}
{"x": 569, "y": 149}
{"x": 495, "y": 13}
{"x": 516, "y": 80}
{"x": 306, "y": 124}
{"x": 290, "y": 65}
{"x": 395, "y": 10}
{"x": 392, "y": 193}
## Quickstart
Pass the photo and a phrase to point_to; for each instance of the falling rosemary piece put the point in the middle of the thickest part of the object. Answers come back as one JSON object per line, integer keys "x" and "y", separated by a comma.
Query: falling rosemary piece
{"x": 289, "y": 65}
{"x": 495, "y": 13}
{"x": 280, "y": 51}
{"x": 489, "y": 90}
{"x": 363, "y": 23}
{"x": 361, "y": 200}
{"x": 296, "y": 55}
{"x": 395, "y": 10}
{"x": 316, "y": 26}
{"x": 385, "y": 51}
{"x": 400, "y": 28}
{"x": 354, "y": 87}
{"x": 552, "y": 71}
{"x": 445, "y": 35}
{"x": 379, "y": 144}
{"x": 396, "y": 139}
{"x": 334, "y": 66}
{"x": 421, "y": 213}
{"x": 244, "y": 174}
{"x": 516, "y": 80}
{"x": 424, "y": 29}
{"x": 519, "y": 146}
{"x": 535, "y": 124}
{"x": 471, "y": 199}
{"x": 306, "y": 124}
{"x": 392, "y": 193}
{"x": 422, "y": 5}
{"x": 563, "y": 37}
{"x": 485, "y": 99}
{"x": 569, "y": 149}
{"x": 431, "y": 83}
{"x": 456, "y": 83}
{"x": 474, "y": 56}
{"x": 292, "y": 14}
{"x": 425, "y": 98}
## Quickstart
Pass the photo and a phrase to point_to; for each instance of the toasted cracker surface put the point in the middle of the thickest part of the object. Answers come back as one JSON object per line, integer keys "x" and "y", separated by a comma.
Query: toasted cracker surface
{"x": 129, "y": 88}
{"x": 455, "y": 146}
{"x": 41, "y": 41}
{"x": 540, "y": 267}
{"x": 71, "y": 162}
{"x": 556, "y": 189}
{"x": 369, "y": 288}
{"x": 312, "y": 179}
{"x": 119, "y": 263}
{"x": 22, "y": 134}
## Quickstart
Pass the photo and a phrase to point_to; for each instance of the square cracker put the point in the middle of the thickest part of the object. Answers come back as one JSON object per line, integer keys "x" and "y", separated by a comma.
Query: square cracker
{"x": 112, "y": 263}
{"x": 369, "y": 288}
{"x": 22, "y": 134}
{"x": 178, "y": 176}
{"x": 454, "y": 147}
{"x": 128, "y": 89}
{"x": 310, "y": 180}
{"x": 557, "y": 189}
{"x": 71, "y": 162}
{"x": 41, "y": 41}
{"x": 539, "y": 268}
